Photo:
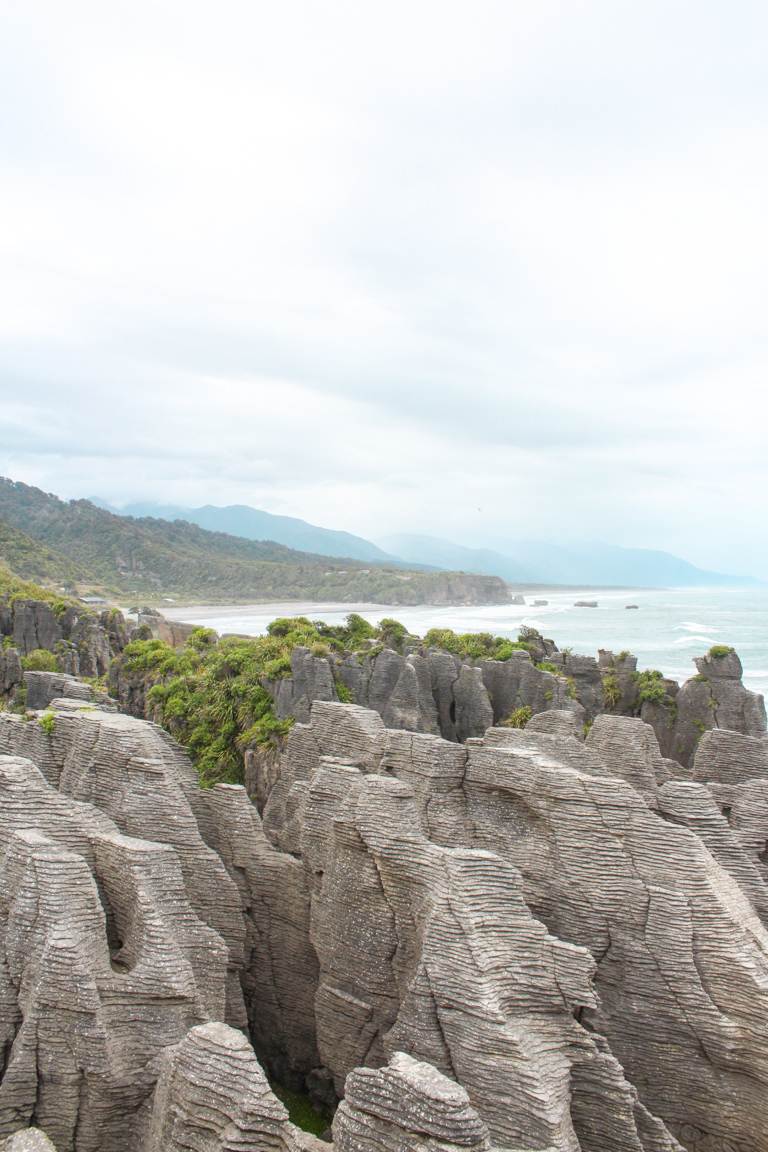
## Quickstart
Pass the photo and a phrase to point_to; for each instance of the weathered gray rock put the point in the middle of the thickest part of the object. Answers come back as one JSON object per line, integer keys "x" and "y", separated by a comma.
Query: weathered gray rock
{"x": 694, "y": 806}
{"x": 27, "y": 1140}
{"x": 135, "y": 774}
{"x": 730, "y": 758}
{"x": 10, "y": 671}
{"x": 681, "y": 955}
{"x": 212, "y": 1096}
{"x": 558, "y": 722}
{"x": 280, "y": 972}
{"x": 102, "y": 964}
{"x": 432, "y": 951}
{"x": 630, "y": 750}
{"x": 406, "y": 1105}
{"x": 43, "y": 688}
{"x": 474, "y": 712}
{"x": 86, "y": 642}
{"x": 715, "y": 698}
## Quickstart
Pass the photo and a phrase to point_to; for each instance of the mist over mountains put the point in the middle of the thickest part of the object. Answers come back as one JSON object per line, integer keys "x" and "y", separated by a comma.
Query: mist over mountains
{"x": 526, "y": 562}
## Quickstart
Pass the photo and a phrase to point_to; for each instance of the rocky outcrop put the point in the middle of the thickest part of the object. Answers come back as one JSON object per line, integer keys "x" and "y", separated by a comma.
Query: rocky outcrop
{"x": 413, "y": 879}
{"x": 133, "y": 773}
{"x": 404, "y": 1106}
{"x": 714, "y": 698}
{"x": 174, "y": 632}
{"x": 102, "y": 964}
{"x": 27, "y": 1140}
{"x": 10, "y": 671}
{"x": 212, "y": 1096}
{"x": 43, "y": 688}
{"x": 430, "y": 691}
{"x": 83, "y": 642}
{"x": 528, "y": 940}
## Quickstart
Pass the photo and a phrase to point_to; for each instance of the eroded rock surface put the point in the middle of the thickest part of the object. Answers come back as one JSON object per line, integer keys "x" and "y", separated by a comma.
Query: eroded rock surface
{"x": 528, "y": 940}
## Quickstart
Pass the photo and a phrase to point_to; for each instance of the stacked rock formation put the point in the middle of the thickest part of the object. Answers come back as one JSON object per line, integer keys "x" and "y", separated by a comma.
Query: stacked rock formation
{"x": 433, "y": 691}
{"x": 527, "y": 940}
{"x": 84, "y": 642}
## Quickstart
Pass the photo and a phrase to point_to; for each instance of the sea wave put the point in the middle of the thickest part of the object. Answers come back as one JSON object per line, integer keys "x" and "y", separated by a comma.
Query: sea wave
{"x": 691, "y": 626}
{"x": 690, "y": 640}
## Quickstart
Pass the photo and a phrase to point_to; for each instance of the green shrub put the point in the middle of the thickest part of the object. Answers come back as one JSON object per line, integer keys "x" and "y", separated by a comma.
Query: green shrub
{"x": 650, "y": 686}
{"x": 473, "y": 645}
{"x": 392, "y": 633}
{"x": 547, "y": 666}
{"x": 47, "y": 722}
{"x": 719, "y": 651}
{"x": 506, "y": 648}
{"x": 518, "y": 718}
{"x": 343, "y": 692}
{"x": 202, "y": 638}
{"x": 40, "y": 660}
{"x": 284, "y": 625}
{"x": 358, "y": 630}
{"x": 278, "y": 668}
{"x": 611, "y": 690}
{"x": 528, "y": 633}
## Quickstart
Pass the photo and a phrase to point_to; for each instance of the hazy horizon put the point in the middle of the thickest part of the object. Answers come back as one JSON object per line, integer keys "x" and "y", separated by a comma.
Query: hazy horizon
{"x": 477, "y": 273}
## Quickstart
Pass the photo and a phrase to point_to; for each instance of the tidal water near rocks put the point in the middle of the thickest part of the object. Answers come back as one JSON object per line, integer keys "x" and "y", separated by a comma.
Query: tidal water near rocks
{"x": 668, "y": 629}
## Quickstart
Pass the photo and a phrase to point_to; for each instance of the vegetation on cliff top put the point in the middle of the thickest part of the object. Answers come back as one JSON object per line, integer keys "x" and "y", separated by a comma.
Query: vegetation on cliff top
{"x": 211, "y": 695}
{"x": 14, "y": 587}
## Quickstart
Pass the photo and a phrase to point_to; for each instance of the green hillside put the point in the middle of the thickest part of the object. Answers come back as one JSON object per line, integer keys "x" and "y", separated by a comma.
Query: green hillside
{"x": 33, "y": 560}
{"x": 151, "y": 558}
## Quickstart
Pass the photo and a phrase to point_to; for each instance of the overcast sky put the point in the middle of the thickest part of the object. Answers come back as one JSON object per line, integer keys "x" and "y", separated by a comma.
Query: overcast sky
{"x": 473, "y": 269}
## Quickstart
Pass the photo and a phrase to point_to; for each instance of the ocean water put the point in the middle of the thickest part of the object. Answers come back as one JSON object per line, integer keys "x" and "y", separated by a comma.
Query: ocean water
{"x": 668, "y": 629}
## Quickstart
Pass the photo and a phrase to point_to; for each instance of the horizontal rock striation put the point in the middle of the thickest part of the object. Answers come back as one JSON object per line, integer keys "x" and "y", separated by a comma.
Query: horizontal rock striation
{"x": 433, "y": 691}
{"x": 133, "y": 773}
{"x": 424, "y": 857}
{"x": 524, "y": 939}
{"x": 102, "y": 964}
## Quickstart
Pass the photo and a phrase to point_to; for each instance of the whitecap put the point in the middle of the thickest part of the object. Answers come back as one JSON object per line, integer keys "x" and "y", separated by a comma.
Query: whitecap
{"x": 692, "y": 640}
{"x": 691, "y": 626}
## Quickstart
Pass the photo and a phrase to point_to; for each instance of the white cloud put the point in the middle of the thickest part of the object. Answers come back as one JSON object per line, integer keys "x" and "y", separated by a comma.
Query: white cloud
{"x": 385, "y": 265}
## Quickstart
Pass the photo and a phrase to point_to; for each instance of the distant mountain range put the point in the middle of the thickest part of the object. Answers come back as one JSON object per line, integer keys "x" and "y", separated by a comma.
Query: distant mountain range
{"x": 526, "y": 562}
{"x": 76, "y": 544}
{"x": 535, "y": 561}
{"x": 254, "y": 524}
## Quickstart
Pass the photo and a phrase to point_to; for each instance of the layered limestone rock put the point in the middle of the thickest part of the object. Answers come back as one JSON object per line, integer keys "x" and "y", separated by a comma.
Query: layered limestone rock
{"x": 406, "y": 1105}
{"x": 43, "y": 688}
{"x": 424, "y": 691}
{"x": 134, "y": 773}
{"x": 279, "y": 975}
{"x": 654, "y": 1024}
{"x": 681, "y": 955}
{"x": 734, "y": 769}
{"x": 529, "y": 941}
{"x": 631, "y": 751}
{"x": 714, "y": 698}
{"x": 84, "y": 642}
{"x": 212, "y": 1096}
{"x": 10, "y": 671}
{"x": 103, "y": 963}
